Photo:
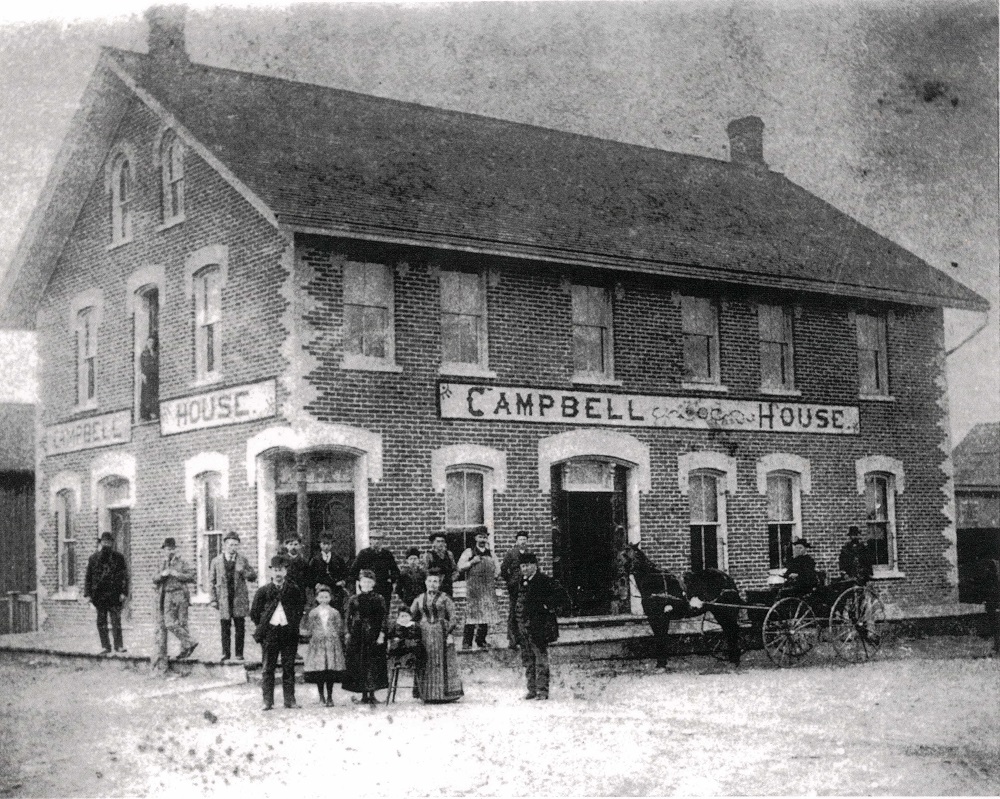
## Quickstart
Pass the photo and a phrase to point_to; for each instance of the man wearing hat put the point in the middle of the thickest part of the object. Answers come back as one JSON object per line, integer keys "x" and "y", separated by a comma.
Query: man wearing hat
{"x": 173, "y": 578}
{"x": 800, "y": 573}
{"x": 855, "y": 558}
{"x": 538, "y": 598}
{"x": 329, "y": 569}
{"x": 377, "y": 558}
{"x": 228, "y": 575}
{"x": 277, "y": 611}
{"x": 106, "y": 585}
{"x": 411, "y": 578}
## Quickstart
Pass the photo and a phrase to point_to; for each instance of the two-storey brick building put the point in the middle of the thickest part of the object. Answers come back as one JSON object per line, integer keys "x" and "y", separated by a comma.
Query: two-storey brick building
{"x": 270, "y": 306}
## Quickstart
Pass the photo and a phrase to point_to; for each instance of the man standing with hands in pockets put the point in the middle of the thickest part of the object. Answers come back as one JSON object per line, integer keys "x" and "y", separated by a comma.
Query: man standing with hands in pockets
{"x": 228, "y": 575}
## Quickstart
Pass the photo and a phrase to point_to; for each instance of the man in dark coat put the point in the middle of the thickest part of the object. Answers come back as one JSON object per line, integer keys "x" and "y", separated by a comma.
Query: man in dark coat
{"x": 277, "y": 611}
{"x": 800, "y": 572}
{"x": 106, "y": 585}
{"x": 228, "y": 574}
{"x": 440, "y": 557}
{"x": 329, "y": 569}
{"x": 411, "y": 578}
{"x": 510, "y": 573}
{"x": 379, "y": 560}
{"x": 298, "y": 566}
{"x": 538, "y": 599}
{"x": 855, "y": 558}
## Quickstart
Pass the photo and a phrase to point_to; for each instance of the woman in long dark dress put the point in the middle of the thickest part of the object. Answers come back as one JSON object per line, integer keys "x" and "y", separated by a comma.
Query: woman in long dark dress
{"x": 365, "y": 626}
{"x": 438, "y": 677}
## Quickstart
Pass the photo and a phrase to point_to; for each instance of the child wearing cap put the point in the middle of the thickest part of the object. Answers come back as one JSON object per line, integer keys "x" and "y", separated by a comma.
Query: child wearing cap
{"x": 324, "y": 661}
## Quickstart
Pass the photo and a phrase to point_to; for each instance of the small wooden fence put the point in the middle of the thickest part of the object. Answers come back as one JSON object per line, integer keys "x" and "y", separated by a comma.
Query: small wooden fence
{"x": 18, "y": 612}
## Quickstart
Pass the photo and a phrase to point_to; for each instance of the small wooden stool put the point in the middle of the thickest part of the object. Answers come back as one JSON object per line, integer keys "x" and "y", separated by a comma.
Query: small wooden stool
{"x": 407, "y": 662}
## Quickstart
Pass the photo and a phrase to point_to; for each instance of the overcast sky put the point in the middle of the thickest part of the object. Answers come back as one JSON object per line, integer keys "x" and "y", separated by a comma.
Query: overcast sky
{"x": 888, "y": 110}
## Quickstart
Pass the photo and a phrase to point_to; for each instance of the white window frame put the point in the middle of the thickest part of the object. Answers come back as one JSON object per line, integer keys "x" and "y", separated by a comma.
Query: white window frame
{"x": 795, "y": 480}
{"x": 122, "y": 201}
{"x": 722, "y": 529}
{"x": 583, "y": 297}
{"x": 208, "y": 323}
{"x": 204, "y": 555}
{"x": 488, "y": 489}
{"x": 85, "y": 334}
{"x": 479, "y": 368}
{"x": 359, "y": 361}
{"x": 787, "y": 386}
{"x": 714, "y": 380}
{"x": 140, "y": 334}
{"x": 217, "y": 256}
{"x": 878, "y": 325}
{"x": 892, "y": 566}
{"x": 171, "y": 159}
{"x": 65, "y": 501}
{"x": 892, "y": 469}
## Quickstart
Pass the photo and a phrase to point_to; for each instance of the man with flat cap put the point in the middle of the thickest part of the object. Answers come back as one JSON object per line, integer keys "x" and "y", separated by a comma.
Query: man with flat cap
{"x": 228, "y": 575}
{"x": 538, "y": 598}
{"x": 277, "y": 611}
{"x": 855, "y": 558}
{"x": 106, "y": 585}
{"x": 173, "y": 578}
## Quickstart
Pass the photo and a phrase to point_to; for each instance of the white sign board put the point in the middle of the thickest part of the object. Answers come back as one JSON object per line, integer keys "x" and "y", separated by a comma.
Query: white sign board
{"x": 219, "y": 408}
{"x": 94, "y": 431}
{"x": 487, "y": 403}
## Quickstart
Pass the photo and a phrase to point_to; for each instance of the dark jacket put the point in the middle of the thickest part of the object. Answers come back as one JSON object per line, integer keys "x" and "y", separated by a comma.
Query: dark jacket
{"x": 106, "y": 581}
{"x": 321, "y": 572}
{"x": 382, "y": 563}
{"x": 411, "y": 584}
{"x": 804, "y": 569}
{"x": 298, "y": 572}
{"x": 448, "y": 567}
{"x": 856, "y": 560}
{"x": 543, "y": 596}
{"x": 510, "y": 568}
{"x": 265, "y": 602}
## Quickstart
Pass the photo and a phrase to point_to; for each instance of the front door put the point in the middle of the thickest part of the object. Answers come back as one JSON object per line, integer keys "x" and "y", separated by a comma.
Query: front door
{"x": 121, "y": 529}
{"x": 329, "y": 511}
{"x": 589, "y": 512}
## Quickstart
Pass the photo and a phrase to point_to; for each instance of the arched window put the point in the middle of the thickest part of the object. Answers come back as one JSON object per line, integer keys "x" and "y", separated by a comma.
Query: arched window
{"x": 86, "y": 357}
{"x": 147, "y": 353}
{"x": 172, "y": 171}
{"x": 784, "y": 516}
{"x": 208, "y": 318}
{"x": 65, "y": 522}
{"x": 208, "y": 522}
{"x": 880, "y": 518}
{"x": 707, "y": 499}
{"x": 121, "y": 201}
{"x": 465, "y": 500}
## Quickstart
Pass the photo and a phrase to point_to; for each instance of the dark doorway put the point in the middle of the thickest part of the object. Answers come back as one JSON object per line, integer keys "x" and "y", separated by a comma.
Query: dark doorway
{"x": 121, "y": 529}
{"x": 975, "y": 545}
{"x": 331, "y": 512}
{"x": 589, "y": 531}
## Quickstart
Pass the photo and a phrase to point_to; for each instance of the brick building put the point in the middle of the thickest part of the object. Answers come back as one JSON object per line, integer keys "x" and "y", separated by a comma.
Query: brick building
{"x": 267, "y": 306}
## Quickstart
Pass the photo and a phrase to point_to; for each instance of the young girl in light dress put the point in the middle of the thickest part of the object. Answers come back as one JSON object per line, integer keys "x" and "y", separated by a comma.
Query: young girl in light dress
{"x": 324, "y": 661}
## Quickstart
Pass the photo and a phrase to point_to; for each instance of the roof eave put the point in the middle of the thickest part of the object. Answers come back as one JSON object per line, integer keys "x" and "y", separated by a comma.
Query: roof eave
{"x": 715, "y": 273}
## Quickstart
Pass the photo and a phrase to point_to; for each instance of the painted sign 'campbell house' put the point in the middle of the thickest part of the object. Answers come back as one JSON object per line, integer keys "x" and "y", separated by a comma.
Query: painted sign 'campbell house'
{"x": 526, "y": 404}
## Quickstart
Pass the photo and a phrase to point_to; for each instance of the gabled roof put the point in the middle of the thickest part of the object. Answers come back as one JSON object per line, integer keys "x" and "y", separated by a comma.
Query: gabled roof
{"x": 17, "y": 437}
{"x": 977, "y": 457}
{"x": 332, "y": 161}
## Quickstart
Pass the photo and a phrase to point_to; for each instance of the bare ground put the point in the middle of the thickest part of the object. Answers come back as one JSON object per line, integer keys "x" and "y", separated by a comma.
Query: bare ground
{"x": 922, "y": 721}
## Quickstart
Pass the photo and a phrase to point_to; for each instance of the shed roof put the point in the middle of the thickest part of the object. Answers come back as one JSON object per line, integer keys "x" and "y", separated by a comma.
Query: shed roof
{"x": 977, "y": 457}
{"x": 332, "y": 161}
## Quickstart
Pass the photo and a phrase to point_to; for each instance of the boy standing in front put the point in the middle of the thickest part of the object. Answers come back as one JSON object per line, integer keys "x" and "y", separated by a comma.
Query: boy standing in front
{"x": 277, "y": 611}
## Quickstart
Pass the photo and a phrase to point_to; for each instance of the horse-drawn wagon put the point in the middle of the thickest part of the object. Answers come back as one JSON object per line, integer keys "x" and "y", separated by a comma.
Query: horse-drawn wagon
{"x": 785, "y": 623}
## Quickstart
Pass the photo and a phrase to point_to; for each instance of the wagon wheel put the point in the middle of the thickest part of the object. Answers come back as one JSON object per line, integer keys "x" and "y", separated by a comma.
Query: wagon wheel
{"x": 713, "y": 639}
{"x": 790, "y": 631}
{"x": 857, "y": 624}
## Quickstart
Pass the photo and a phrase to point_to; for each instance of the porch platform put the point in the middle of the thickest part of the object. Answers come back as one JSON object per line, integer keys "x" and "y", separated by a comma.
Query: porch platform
{"x": 584, "y": 638}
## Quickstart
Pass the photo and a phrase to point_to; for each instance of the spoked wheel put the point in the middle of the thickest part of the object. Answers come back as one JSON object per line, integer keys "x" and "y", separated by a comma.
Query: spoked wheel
{"x": 790, "y": 631}
{"x": 714, "y": 640}
{"x": 857, "y": 624}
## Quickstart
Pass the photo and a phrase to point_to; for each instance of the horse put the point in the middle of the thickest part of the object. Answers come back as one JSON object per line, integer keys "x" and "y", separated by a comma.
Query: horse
{"x": 665, "y": 597}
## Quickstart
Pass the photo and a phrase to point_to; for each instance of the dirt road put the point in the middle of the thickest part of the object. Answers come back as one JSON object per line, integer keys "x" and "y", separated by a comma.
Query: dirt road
{"x": 923, "y": 722}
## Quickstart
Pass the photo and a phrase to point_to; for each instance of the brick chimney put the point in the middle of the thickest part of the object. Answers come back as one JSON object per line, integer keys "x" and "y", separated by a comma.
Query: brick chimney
{"x": 746, "y": 142}
{"x": 166, "y": 34}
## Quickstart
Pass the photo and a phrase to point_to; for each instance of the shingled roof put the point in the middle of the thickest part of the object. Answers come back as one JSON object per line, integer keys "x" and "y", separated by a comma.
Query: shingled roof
{"x": 333, "y": 161}
{"x": 977, "y": 457}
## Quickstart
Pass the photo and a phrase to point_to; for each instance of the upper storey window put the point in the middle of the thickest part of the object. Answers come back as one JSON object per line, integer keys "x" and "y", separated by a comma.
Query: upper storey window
{"x": 369, "y": 341}
{"x": 873, "y": 362}
{"x": 700, "y": 327}
{"x": 121, "y": 200}
{"x": 86, "y": 357}
{"x": 172, "y": 173}
{"x": 463, "y": 322}
{"x": 147, "y": 352}
{"x": 777, "y": 372}
{"x": 593, "y": 346}
{"x": 208, "y": 323}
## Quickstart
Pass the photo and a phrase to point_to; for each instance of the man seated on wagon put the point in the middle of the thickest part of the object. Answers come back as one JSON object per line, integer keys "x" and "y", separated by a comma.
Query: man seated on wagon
{"x": 800, "y": 573}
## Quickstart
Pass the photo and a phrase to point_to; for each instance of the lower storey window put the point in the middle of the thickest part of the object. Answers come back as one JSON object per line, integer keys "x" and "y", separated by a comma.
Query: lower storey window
{"x": 880, "y": 517}
{"x": 706, "y": 514}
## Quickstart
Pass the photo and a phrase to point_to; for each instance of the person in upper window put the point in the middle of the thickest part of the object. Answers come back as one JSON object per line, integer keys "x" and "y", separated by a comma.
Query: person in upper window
{"x": 440, "y": 557}
{"x": 800, "y": 574}
{"x": 855, "y": 558}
